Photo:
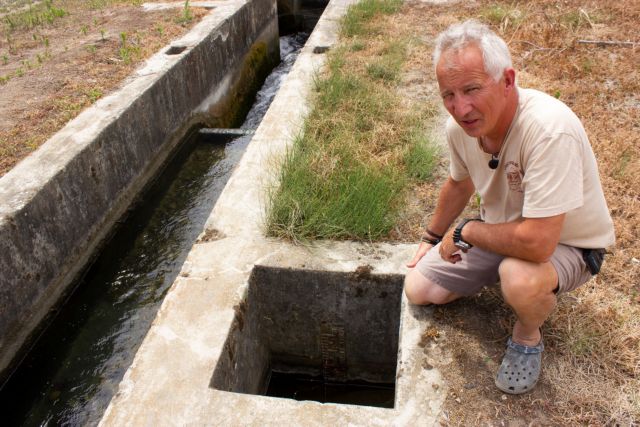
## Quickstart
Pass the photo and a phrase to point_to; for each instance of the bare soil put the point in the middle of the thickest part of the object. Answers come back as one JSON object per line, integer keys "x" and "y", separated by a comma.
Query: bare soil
{"x": 57, "y": 59}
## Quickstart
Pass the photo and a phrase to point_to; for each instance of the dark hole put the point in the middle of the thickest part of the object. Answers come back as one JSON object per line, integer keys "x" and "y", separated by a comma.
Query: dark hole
{"x": 320, "y": 49}
{"x": 305, "y": 387}
{"x": 174, "y": 50}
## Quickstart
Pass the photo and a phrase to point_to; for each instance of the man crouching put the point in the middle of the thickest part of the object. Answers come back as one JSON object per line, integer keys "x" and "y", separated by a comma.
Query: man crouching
{"x": 544, "y": 222}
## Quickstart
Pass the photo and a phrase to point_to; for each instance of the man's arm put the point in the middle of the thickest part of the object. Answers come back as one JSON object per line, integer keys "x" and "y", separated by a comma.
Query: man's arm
{"x": 530, "y": 239}
{"x": 454, "y": 196}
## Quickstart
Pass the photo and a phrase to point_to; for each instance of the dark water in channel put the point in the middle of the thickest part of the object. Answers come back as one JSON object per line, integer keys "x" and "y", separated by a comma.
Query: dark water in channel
{"x": 74, "y": 369}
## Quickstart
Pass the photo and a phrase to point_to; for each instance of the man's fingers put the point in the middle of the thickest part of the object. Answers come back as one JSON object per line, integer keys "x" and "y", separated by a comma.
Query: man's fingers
{"x": 413, "y": 262}
{"x": 422, "y": 249}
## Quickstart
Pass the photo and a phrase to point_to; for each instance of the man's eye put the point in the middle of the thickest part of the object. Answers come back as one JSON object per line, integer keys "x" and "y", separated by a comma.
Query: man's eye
{"x": 471, "y": 89}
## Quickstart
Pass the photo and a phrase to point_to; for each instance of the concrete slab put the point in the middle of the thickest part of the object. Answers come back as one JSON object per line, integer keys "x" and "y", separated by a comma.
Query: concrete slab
{"x": 170, "y": 380}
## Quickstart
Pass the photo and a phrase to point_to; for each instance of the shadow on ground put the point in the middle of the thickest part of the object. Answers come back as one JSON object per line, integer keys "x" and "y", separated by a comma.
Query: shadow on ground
{"x": 466, "y": 342}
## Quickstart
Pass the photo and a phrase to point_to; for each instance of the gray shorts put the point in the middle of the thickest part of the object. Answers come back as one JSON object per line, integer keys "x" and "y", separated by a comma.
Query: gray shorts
{"x": 479, "y": 268}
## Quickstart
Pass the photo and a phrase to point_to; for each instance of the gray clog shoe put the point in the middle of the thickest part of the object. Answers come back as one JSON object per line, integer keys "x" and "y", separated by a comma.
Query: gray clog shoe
{"x": 520, "y": 368}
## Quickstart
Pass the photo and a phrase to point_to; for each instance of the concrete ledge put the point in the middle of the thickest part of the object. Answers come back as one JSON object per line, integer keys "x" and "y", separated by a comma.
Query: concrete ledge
{"x": 57, "y": 205}
{"x": 173, "y": 378}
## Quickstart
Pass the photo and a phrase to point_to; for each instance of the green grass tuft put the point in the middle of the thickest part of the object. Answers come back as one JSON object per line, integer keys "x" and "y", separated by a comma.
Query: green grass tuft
{"x": 346, "y": 176}
{"x": 351, "y": 202}
{"x": 421, "y": 158}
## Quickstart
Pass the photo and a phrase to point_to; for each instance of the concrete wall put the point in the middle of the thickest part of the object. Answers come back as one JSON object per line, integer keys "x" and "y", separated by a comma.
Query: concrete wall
{"x": 59, "y": 204}
{"x": 341, "y": 326}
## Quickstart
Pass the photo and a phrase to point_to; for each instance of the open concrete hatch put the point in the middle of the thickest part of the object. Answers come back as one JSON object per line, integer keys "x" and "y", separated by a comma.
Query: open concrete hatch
{"x": 315, "y": 335}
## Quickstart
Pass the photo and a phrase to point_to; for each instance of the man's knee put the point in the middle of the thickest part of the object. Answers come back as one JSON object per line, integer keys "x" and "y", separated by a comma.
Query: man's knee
{"x": 421, "y": 291}
{"x": 522, "y": 280}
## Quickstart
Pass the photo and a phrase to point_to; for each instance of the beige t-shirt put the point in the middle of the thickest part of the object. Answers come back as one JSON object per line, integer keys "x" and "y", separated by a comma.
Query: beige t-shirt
{"x": 547, "y": 168}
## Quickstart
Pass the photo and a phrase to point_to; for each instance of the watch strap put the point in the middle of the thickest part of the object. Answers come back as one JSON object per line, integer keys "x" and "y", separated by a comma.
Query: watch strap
{"x": 457, "y": 233}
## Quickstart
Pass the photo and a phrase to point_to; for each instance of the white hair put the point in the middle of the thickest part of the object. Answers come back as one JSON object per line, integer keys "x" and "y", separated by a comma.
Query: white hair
{"x": 495, "y": 52}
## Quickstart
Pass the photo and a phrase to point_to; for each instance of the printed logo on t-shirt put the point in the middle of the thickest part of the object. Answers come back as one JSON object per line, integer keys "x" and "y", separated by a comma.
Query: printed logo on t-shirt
{"x": 514, "y": 176}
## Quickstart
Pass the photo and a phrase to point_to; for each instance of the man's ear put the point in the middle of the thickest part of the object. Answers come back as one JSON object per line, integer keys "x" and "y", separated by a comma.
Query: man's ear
{"x": 509, "y": 77}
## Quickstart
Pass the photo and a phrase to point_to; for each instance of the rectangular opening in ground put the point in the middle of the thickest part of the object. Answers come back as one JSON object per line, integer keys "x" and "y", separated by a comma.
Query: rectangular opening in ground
{"x": 315, "y": 335}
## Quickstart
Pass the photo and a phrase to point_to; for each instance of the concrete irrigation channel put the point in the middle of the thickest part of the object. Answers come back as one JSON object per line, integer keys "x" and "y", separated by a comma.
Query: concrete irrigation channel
{"x": 244, "y": 309}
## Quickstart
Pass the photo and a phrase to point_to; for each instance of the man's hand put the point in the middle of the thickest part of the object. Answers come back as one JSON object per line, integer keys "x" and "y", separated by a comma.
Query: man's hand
{"x": 448, "y": 250}
{"x": 422, "y": 250}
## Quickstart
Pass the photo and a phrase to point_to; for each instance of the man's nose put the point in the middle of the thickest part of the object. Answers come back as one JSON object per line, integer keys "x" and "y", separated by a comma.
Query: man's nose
{"x": 461, "y": 106}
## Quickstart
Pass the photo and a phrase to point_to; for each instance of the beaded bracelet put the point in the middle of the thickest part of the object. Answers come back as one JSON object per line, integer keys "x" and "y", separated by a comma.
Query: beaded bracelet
{"x": 426, "y": 239}
{"x": 437, "y": 236}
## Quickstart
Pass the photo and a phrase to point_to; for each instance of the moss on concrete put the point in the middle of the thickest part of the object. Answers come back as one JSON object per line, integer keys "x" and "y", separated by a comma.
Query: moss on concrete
{"x": 231, "y": 111}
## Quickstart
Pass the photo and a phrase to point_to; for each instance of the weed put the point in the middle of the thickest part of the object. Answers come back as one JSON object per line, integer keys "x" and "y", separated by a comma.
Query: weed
{"x": 357, "y": 46}
{"x": 5, "y": 59}
{"x": 587, "y": 65}
{"x": 94, "y": 94}
{"x": 84, "y": 29}
{"x": 160, "y": 30}
{"x": 557, "y": 94}
{"x": 576, "y": 19}
{"x": 39, "y": 58}
{"x": 422, "y": 156}
{"x": 359, "y": 14}
{"x": 380, "y": 71}
{"x": 91, "y": 48}
{"x": 186, "y": 15}
{"x": 353, "y": 202}
{"x": 19, "y": 72}
{"x": 97, "y": 4}
{"x": 4, "y": 79}
{"x": 34, "y": 16}
{"x": 623, "y": 162}
{"x": 502, "y": 16}
{"x": 127, "y": 51}
{"x": 387, "y": 67}
{"x": 495, "y": 14}
{"x": 45, "y": 42}
{"x": 478, "y": 200}
{"x": 102, "y": 34}
{"x": 11, "y": 24}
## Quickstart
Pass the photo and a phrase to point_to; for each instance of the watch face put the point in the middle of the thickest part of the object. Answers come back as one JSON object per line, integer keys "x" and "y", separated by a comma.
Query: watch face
{"x": 462, "y": 244}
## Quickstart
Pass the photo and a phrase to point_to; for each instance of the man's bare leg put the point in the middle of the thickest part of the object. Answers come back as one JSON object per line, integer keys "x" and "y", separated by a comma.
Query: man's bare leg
{"x": 422, "y": 291}
{"x": 528, "y": 288}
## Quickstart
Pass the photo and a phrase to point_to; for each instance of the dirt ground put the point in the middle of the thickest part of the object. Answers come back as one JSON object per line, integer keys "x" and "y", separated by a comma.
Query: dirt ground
{"x": 50, "y": 70}
{"x": 591, "y": 364}
{"x": 58, "y": 57}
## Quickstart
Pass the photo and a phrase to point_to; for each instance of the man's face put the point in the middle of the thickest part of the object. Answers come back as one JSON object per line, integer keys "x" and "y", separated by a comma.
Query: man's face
{"x": 474, "y": 99}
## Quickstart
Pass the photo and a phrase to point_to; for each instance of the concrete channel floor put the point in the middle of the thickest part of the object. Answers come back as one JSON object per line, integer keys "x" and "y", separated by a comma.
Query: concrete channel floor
{"x": 169, "y": 382}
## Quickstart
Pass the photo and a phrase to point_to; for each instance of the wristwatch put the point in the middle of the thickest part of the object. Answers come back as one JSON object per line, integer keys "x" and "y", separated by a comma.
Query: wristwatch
{"x": 457, "y": 234}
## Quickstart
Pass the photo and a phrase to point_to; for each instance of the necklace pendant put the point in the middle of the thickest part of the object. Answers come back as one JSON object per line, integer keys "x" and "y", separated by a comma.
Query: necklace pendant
{"x": 493, "y": 163}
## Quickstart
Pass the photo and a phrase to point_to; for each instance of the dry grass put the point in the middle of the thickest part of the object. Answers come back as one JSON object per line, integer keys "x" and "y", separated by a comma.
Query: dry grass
{"x": 51, "y": 71}
{"x": 592, "y": 366}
